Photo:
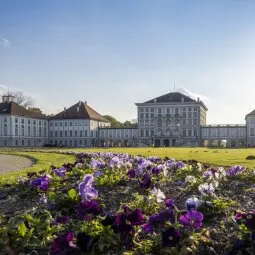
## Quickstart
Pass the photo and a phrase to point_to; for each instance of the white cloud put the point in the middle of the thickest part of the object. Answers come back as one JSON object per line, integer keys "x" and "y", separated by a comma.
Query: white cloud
{"x": 193, "y": 95}
{"x": 5, "y": 42}
{"x": 3, "y": 89}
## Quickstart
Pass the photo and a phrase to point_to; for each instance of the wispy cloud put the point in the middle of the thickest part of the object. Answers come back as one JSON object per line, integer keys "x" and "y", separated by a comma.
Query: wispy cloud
{"x": 5, "y": 42}
{"x": 3, "y": 89}
{"x": 193, "y": 94}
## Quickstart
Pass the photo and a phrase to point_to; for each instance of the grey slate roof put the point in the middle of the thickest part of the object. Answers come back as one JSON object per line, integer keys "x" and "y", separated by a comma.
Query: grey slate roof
{"x": 172, "y": 97}
{"x": 17, "y": 110}
{"x": 80, "y": 111}
{"x": 251, "y": 113}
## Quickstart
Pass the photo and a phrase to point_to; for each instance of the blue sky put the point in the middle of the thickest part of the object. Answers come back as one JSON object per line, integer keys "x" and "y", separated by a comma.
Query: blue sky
{"x": 116, "y": 53}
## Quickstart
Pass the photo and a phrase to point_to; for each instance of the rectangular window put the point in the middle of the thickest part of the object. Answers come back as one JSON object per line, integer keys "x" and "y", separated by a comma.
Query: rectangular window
{"x": 71, "y": 133}
{"x": 86, "y": 133}
{"x": 22, "y": 142}
{"x": 75, "y": 133}
{"x": 16, "y": 120}
{"x": 195, "y": 132}
{"x": 60, "y": 124}
{"x": 71, "y": 123}
{"x": 40, "y": 123}
{"x": 5, "y": 129}
{"x": 252, "y": 132}
{"x": 16, "y": 142}
{"x": 61, "y": 133}
{"x": 147, "y": 133}
{"x": 56, "y": 133}
{"x": 65, "y": 124}
{"x": 56, "y": 124}
{"x": 22, "y": 121}
{"x": 142, "y": 133}
{"x": 152, "y": 132}
{"x": 34, "y": 122}
{"x": 80, "y": 133}
{"x": 190, "y": 132}
{"x": 91, "y": 133}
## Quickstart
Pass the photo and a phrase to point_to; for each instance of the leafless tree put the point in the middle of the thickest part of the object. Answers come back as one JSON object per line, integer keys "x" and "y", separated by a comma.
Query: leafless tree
{"x": 21, "y": 99}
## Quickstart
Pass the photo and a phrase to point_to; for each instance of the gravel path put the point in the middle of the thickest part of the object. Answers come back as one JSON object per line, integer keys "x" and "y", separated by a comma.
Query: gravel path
{"x": 10, "y": 163}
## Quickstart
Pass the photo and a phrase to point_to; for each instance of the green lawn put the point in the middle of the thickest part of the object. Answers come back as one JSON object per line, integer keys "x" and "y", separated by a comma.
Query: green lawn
{"x": 43, "y": 160}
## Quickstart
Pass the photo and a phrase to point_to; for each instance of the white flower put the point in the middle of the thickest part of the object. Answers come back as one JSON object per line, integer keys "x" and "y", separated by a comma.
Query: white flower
{"x": 190, "y": 179}
{"x": 199, "y": 167}
{"x": 215, "y": 183}
{"x": 128, "y": 165}
{"x": 165, "y": 172}
{"x": 43, "y": 198}
{"x": 159, "y": 194}
{"x": 193, "y": 203}
{"x": 78, "y": 165}
{"x": 206, "y": 188}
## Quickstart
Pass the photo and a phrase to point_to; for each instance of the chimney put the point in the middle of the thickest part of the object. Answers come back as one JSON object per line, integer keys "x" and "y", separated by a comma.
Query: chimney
{"x": 198, "y": 99}
{"x": 155, "y": 100}
{"x": 182, "y": 99}
{"x": 78, "y": 108}
{"x": 85, "y": 102}
{"x": 79, "y": 103}
{"x": 7, "y": 99}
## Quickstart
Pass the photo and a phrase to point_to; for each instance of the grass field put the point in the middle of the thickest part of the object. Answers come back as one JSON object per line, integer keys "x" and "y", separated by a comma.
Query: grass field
{"x": 43, "y": 160}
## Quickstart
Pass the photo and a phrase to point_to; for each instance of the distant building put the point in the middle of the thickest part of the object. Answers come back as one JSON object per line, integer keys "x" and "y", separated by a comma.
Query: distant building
{"x": 76, "y": 126}
{"x": 173, "y": 119}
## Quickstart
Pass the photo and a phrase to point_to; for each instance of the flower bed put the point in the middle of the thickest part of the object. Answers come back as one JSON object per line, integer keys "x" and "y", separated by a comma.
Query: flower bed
{"x": 107, "y": 203}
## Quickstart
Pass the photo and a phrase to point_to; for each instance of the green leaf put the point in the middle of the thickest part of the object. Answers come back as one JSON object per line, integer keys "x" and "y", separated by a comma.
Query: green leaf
{"x": 72, "y": 193}
{"x": 22, "y": 229}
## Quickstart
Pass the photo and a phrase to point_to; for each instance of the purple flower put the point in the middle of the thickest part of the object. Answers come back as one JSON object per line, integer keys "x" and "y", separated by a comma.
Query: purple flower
{"x": 147, "y": 228}
{"x": 235, "y": 170}
{"x": 170, "y": 237}
{"x": 248, "y": 219}
{"x": 62, "y": 220}
{"x": 131, "y": 173}
{"x": 61, "y": 243}
{"x": 121, "y": 225}
{"x": 134, "y": 216}
{"x": 170, "y": 203}
{"x": 89, "y": 207}
{"x": 61, "y": 172}
{"x": 86, "y": 190}
{"x": 98, "y": 173}
{"x": 145, "y": 182}
{"x": 42, "y": 183}
{"x": 180, "y": 164}
{"x": 192, "y": 218}
{"x": 156, "y": 170}
{"x": 162, "y": 217}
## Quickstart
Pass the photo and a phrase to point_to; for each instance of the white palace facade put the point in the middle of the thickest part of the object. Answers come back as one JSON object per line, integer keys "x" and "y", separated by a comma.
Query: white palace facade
{"x": 170, "y": 120}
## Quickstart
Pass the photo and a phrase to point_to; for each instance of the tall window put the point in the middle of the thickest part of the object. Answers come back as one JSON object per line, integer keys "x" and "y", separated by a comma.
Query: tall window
{"x": 5, "y": 129}
{"x": 16, "y": 130}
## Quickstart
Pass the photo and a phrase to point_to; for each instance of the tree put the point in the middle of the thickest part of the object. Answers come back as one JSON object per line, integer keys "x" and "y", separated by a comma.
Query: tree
{"x": 114, "y": 123}
{"x": 129, "y": 124}
{"x": 21, "y": 99}
{"x": 35, "y": 109}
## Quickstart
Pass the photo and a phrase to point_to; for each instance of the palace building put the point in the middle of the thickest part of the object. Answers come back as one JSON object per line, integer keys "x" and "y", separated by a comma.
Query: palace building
{"x": 173, "y": 119}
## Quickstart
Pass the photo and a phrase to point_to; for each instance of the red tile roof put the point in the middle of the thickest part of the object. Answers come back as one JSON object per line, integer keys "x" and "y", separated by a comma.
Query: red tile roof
{"x": 16, "y": 109}
{"x": 80, "y": 111}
